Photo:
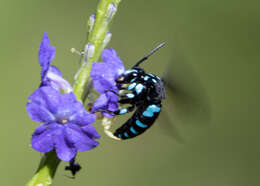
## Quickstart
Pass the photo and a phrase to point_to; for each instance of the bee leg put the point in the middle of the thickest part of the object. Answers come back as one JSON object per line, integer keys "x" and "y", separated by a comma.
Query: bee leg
{"x": 107, "y": 123}
{"x": 119, "y": 111}
{"x": 124, "y": 98}
{"x": 103, "y": 110}
{"x": 118, "y": 94}
{"x": 111, "y": 90}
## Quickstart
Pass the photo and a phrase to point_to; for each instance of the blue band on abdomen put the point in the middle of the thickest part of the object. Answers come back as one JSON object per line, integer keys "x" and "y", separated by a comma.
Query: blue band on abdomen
{"x": 133, "y": 130}
{"x": 126, "y": 135}
{"x": 139, "y": 124}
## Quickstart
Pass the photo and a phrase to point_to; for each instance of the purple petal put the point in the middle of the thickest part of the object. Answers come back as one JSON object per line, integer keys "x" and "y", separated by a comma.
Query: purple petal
{"x": 82, "y": 118}
{"x": 100, "y": 103}
{"x": 101, "y": 85}
{"x": 112, "y": 106}
{"x": 112, "y": 96}
{"x": 103, "y": 71}
{"x": 90, "y": 131}
{"x": 69, "y": 98}
{"x": 46, "y": 54}
{"x": 56, "y": 81}
{"x": 110, "y": 57}
{"x": 42, "y": 138}
{"x": 65, "y": 149}
{"x": 39, "y": 113}
{"x": 46, "y": 97}
{"x": 113, "y": 101}
{"x": 106, "y": 101}
{"x": 79, "y": 139}
{"x": 108, "y": 115}
{"x": 46, "y": 51}
{"x": 55, "y": 70}
{"x": 67, "y": 106}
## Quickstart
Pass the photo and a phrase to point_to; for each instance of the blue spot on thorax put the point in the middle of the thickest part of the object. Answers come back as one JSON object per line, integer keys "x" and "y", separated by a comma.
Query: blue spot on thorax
{"x": 130, "y": 95}
{"x": 151, "y": 109}
{"x": 139, "y": 88}
{"x": 133, "y": 80}
{"x": 154, "y": 80}
{"x": 131, "y": 86}
{"x": 146, "y": 77}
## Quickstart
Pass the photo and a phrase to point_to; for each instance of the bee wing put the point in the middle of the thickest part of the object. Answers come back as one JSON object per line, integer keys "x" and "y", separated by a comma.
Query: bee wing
{"x": 186, "y": 94}
{"x": 186, "y": 99}
{"x": 169, "y": 127}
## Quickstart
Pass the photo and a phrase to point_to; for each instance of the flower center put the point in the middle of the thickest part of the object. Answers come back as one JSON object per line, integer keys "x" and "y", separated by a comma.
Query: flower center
{"x": 63, "y": 121}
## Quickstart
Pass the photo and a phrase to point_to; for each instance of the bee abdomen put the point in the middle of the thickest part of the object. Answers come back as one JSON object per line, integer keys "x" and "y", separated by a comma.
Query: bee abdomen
{"x": 143, "y": 118}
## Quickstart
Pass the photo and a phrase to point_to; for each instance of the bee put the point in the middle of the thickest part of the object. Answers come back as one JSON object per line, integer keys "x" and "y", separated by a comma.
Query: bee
{"x": 144, "y": 92}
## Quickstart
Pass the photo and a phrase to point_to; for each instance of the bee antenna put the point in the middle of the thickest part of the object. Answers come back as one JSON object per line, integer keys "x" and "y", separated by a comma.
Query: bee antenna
{"x": 149, "y": 54}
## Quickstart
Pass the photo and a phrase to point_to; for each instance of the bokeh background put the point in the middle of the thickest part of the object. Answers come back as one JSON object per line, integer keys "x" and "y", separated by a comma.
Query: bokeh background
{"x": 213, "y": 52}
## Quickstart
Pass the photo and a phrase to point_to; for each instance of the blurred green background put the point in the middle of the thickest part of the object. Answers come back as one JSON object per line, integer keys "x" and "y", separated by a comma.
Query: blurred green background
{"x": 218, "y": 40}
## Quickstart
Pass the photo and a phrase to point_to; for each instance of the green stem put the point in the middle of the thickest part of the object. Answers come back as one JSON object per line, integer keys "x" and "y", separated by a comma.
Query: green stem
{"x": 49, "y": 162}
{"x": 96, "y": 38}
{"x": 46, "y": 170}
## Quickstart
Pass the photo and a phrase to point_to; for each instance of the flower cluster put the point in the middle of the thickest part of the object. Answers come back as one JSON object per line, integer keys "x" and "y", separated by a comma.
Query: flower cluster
{"x": 66, "y": 125}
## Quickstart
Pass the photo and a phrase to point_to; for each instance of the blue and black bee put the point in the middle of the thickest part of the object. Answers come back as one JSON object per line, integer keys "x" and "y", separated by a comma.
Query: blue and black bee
{"x": 143, "y": 92}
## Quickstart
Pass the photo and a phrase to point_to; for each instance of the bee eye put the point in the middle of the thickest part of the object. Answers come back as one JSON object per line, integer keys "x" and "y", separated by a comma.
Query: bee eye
{"x": 134, "y": 74}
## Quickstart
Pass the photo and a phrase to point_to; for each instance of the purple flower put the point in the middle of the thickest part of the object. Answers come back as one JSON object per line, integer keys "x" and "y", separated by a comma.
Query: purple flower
{"x": 66, "y": 124}
{"x": 50, "y": 75}
{"x": 104, "y": 77}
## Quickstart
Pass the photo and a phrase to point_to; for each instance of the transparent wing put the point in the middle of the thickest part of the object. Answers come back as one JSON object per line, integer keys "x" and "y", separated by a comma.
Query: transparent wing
{"x": 186, "y": 102}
